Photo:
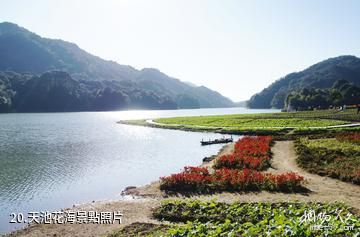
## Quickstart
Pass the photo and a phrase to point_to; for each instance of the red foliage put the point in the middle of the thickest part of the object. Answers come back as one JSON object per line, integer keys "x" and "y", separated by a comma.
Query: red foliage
{"x": 249, "y": 152}
{"x": 253, "y": 146}
{"x": 349, "y": 137}
{"x": 191, "y": 178}
{"x": 231, "y": 180}
{"x": 235, "y": 172}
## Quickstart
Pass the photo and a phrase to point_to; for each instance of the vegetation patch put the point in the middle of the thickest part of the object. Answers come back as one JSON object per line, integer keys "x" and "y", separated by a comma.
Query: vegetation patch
{"x": 335, "y": 157}
{"x": 236, "y": 172}
{"x": 195, "y": 179}
{"x": 249, "y": 153}
{"x": 352, "y": 137}
{"x": 330, "y": 114}
{"x": 282, "y": 126}
{"x": 238, "y": 121}
{"x": 258, "y": 219}
{"x": 139, "y": 229}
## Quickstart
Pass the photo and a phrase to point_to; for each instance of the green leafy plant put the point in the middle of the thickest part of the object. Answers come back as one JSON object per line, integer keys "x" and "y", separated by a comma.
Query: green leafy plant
{"x": 213, "y": 218}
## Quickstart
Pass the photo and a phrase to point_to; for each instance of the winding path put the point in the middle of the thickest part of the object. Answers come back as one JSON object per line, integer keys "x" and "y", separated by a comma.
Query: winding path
{"x": 322, "y": 188}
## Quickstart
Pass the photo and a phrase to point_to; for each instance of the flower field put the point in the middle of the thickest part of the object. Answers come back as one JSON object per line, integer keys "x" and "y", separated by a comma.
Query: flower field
{"x": 335, "y": 153}
{"x": 257, "y": 219}
{"x": 337, "y": 157}
{"x": 249, "y": 153}
{"x": 235, "y": 172}
{"x": 245, "y": 170}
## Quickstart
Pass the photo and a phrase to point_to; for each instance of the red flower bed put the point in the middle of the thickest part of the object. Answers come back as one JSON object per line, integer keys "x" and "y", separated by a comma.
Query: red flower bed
{"x": 253, "y": 146}
{"x": 349, "y": 137}
{"x": 201, "y": 180}
{"x": 235, "y": 172}
{"x": 191, "y": 179}
{"x": 249, "y": 153}
{"x": 242, "y": 162}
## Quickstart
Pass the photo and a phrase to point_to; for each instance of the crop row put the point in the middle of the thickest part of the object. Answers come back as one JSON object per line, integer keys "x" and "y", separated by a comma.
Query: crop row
{"x": 257, "y": 219}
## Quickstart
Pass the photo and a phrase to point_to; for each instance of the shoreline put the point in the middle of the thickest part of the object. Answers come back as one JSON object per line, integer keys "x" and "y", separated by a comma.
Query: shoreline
{"x": 131, "y": 196}
{"x": 138, "y": 203}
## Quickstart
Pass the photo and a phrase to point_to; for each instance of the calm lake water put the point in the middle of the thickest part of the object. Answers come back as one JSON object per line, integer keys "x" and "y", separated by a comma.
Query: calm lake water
{"x": 49, "y": 161}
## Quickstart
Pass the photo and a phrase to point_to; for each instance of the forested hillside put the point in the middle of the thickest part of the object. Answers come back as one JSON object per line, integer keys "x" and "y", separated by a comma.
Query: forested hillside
{"x": 40, "y": 74}
{"x": 322, "y": 75}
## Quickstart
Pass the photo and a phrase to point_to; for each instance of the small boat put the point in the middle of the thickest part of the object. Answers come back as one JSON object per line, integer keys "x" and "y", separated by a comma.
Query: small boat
{"x": 216, "y": 141}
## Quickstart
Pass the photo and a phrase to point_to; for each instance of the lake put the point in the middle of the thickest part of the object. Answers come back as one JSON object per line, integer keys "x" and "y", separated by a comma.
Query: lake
{"x": 50, "y": 161}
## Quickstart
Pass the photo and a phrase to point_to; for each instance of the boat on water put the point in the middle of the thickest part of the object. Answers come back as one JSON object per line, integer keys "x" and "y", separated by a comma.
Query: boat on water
{"x": 216, "y": 141}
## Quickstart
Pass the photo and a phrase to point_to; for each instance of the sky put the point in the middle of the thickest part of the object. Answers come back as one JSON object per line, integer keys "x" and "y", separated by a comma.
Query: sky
{"x": 234, "y": 47}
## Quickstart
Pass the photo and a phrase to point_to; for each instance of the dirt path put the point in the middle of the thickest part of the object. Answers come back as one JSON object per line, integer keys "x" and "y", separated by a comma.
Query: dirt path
{"x": 322, "y": 188}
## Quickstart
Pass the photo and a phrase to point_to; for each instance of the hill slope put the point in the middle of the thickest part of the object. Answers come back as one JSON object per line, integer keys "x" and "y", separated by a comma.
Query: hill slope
{"x": 30, "y": 55}
{"x": 321, "y": 75}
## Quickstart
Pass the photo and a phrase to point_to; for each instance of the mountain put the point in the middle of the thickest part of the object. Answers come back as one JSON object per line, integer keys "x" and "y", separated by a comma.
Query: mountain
{"x": 57, "y": 91}
{"x": 341, "y": 93}
{"x": 32, "y": 68}
{"x": 322, "y": 75}
{"x": 24, "y": 51}
{"x": 203, "y": 97}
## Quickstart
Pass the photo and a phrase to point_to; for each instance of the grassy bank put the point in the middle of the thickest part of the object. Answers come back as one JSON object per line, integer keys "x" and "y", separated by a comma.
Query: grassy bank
{"x": 281, "y": 125}
{"x": 239, "y": 119}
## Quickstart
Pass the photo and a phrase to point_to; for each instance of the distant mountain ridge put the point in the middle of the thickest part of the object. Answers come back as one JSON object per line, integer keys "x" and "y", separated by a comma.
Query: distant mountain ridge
{"x": 18, "y": 46}
{"x": 30, "y": 56}
{"x": 322, "y": 75}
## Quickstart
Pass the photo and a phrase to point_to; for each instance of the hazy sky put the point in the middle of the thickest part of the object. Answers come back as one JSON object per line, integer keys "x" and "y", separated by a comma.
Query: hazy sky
{"x": 232, "y": 46}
